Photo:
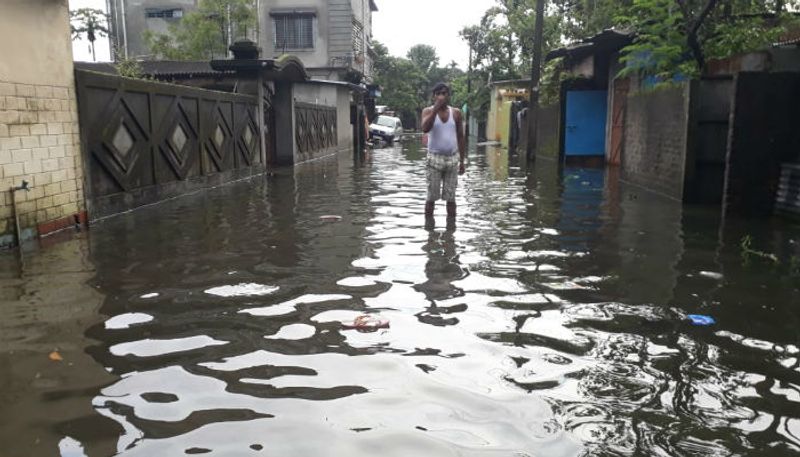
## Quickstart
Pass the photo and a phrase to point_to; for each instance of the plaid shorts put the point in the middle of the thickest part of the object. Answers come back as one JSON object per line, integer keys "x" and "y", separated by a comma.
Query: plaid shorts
{"x": 442, "y": 174}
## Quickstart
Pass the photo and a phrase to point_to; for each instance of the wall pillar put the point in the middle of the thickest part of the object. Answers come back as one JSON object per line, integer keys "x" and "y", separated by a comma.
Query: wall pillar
{"x": 284, "y": 123}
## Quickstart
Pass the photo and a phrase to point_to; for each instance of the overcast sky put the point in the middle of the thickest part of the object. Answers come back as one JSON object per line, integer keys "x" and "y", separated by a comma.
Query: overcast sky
{"x": 399, "y": 24}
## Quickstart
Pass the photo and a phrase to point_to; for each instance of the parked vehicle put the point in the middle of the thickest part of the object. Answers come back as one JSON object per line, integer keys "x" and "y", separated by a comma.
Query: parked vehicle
{"x": 387, "y": 128}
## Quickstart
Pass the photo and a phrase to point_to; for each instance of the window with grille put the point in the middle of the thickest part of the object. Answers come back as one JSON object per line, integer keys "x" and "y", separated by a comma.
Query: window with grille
{"x": 293, "y": 31}
{"x": 163, "y": 13}
{"x": 358, "y": 38}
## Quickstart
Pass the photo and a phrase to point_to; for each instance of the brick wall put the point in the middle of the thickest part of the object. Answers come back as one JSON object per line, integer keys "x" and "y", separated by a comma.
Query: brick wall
{"x": 39, "y": 143}
{"x": 656, "y": 125}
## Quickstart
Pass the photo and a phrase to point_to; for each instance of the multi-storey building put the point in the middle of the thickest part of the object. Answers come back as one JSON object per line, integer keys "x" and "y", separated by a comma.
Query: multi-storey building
{"x": 331, "y": 37}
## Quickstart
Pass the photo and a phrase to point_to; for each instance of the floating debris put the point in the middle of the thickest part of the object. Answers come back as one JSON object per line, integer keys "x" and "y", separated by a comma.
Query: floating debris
{"x": 712, "y": 275}
{"x": 701, "y": 319}
{"x": 242, "y": 290}
{"x": 366, "y": 323}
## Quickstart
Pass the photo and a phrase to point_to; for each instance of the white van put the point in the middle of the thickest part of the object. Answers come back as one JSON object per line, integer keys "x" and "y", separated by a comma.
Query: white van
{"x": 387, "y": 128}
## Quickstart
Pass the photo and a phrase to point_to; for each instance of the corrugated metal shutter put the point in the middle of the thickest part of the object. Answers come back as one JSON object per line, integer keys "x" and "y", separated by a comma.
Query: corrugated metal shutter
{"x": 788, "y": 197}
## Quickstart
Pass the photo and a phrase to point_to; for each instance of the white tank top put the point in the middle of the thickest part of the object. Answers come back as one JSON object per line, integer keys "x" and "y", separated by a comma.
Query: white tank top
{"x": 442, "y": 138}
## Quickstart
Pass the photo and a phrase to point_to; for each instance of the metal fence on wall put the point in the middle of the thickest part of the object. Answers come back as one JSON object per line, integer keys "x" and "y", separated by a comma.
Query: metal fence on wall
{"x": 144, "y": 141}
{"x": 315, "y": 128}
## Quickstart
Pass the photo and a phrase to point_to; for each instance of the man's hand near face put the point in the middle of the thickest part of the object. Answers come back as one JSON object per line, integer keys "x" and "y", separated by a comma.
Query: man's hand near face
{"x": 439, "y": 103}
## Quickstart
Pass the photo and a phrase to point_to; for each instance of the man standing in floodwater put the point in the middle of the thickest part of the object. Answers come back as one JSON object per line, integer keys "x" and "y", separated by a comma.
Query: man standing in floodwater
{"x": 446, "y": 149}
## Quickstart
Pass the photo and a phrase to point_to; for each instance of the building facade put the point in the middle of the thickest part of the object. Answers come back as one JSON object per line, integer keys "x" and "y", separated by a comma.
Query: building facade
{"x": 130, "y": 18}
{"x": 331, "y": 37}
{"x": 39, "y": 139}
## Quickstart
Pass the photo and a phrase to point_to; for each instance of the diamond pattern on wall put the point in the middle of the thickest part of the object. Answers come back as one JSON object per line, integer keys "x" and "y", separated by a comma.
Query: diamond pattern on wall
{"x": 179, "y": 138}
{"x": 219, "y": 137}
{"x": 123, "y": 140}
{"x": 248, "y": 136}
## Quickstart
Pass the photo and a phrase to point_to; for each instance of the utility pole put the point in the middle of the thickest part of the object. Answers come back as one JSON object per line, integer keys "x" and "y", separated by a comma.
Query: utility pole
{"x": 229, "y": 31}
{"x": 469, "y": 90}
{"x": 536, "y": 73}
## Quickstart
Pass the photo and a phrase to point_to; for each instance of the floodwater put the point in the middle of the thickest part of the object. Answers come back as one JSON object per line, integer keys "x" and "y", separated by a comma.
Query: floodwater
{"x": 548, "y": 320}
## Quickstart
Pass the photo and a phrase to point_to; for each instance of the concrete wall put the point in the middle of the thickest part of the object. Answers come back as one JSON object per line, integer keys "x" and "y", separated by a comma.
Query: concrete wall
{"x": 344, "y": 127}
{"x": 764, "y": 135}
{"x": 710, "y": 110}
{"x": 284, "y": 123}
{"x": 340, "y": 41}
{"x": 318, "y": 94}
{"x": 363, "y": 14}
{"x": 491, "y": 117}
{"x": 39, "y": 139}
{"x": 656, "y": 133}
{"x": 548, "y": 131}
{"x": 502, "y": 94}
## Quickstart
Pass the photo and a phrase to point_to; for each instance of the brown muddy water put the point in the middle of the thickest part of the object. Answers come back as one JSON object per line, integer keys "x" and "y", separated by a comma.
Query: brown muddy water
{"x": 548, "y": 320}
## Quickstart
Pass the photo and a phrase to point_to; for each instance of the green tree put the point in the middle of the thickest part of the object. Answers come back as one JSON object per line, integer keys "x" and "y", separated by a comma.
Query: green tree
{"x": 400, "y": 80}
{"x": 424, "y": 56}
{"x": 206, "y": 32}
{"x": 90, "y": 22}
{"x": 678, "y": 36}
{"x": 673, "y": 36}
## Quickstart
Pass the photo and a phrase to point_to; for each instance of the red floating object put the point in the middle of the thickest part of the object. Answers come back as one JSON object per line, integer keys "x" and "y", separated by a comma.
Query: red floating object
{"x": 366, "y": 323}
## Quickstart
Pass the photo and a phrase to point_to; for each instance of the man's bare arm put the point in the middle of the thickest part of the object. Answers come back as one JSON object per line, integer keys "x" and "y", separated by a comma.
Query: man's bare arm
{"x": 428, "y": 118}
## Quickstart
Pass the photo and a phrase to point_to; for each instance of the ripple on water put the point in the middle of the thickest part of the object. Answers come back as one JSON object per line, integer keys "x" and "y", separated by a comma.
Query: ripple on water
{"x": 294, "y": 332}
{"x": 151, "y": 347}
{"x": 242, "y": 290}
{"x": 356, "y": 281}
{"x": 290, "y": 306}
{"x": 127, "y": 320}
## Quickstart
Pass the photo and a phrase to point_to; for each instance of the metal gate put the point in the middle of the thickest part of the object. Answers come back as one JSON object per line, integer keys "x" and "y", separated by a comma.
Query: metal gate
{"x": 585, "y": 132}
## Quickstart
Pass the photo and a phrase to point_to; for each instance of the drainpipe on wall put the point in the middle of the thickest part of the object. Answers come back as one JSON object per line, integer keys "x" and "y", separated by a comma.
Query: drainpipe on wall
{"x": 14, "y": 189}
{"x": 258, "y": 22}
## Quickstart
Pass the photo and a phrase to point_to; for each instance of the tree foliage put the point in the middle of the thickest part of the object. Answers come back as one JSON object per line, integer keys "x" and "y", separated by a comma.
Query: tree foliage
{"x": 673, "y": 37}
{"x": 424, "y": 57}
{"x": 407, "y": 82}
{"x": 206, "y": 32}
{"x": 677, "y": 37}
{"x": 90, "y": 22}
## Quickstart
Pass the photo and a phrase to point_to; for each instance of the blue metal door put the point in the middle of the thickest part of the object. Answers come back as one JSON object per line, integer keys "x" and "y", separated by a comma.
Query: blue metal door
{"x": 585, "y": 132}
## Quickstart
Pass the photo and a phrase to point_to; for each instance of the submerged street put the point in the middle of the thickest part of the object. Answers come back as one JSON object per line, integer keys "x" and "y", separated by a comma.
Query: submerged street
{"x": 548, "y": 320}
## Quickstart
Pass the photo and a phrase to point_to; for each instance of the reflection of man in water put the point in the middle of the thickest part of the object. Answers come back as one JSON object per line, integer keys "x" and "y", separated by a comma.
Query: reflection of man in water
{"x": 444, "y": 127}
{"x": 441, "y": 269}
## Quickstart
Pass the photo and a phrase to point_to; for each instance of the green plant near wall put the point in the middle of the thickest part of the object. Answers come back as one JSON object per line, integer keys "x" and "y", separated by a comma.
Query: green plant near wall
{"x": 794, "y": 266}
{"x": 205, "y": 33}
{"x": 128, "y": 67}
{"x": 746, "y": 245}
{"x": 741, "y": 35}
